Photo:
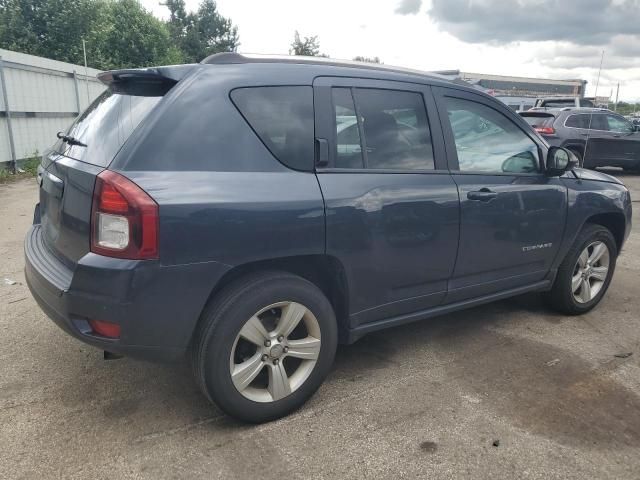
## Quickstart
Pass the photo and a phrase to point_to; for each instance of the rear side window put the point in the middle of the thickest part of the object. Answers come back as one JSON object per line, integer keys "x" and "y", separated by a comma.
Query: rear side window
{"x": 577, "y": 121}
{"x": 105, "y": 125}
{"x": 381, "y": 129}
{"x": 283, "y": 119}
{"x": 348, "y": 145}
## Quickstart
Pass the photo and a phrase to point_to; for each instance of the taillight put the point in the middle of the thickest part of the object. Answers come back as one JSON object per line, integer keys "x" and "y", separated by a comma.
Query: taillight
{"x": 124, "y": 219}
{"x": 545, "y": 130}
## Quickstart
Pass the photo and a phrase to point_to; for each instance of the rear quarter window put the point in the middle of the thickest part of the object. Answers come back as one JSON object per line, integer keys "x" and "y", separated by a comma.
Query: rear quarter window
{"x": 283, "y": 119}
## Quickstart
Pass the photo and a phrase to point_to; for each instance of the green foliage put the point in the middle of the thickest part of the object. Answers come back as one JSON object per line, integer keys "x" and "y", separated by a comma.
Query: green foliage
{"x": 202, "y": 33}
{"x": 118, "y": 33}
{"x": 367, "y": 59}
{"x": 625, "y": 108}
{"x": 309, "y": 46}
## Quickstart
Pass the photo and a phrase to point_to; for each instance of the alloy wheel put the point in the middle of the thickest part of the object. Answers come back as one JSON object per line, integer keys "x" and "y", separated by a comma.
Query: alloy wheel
{"x": 275, "y": 352}
{"x": 590, "y": 272}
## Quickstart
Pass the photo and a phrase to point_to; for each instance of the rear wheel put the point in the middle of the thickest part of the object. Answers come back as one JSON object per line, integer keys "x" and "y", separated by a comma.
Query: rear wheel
{"x": 265, "y": 345}
{"x": 585, "y": 273}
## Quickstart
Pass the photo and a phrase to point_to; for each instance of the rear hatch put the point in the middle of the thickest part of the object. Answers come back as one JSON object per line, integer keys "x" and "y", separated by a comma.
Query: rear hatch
{"x": 542, "y": 122}
{"x": 68, "y": 171}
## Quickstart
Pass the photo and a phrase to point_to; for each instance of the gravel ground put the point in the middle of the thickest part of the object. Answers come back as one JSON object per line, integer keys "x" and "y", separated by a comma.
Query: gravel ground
{"x": 508, "y": 390}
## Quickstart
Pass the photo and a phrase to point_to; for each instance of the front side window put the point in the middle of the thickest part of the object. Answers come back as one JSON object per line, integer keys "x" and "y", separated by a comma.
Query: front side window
{"x": 619, "y": 125}
{"x": 488, "y": 141}
{"x": 392, "y": 125}
{"x": 283, "y": 119}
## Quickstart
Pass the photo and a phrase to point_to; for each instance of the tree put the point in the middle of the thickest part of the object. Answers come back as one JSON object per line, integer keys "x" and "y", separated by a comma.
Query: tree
{"x": 367, "y": 59}
{"x": 118, "y": 33}
{"x": 201, "y": 33}
{"x": 132, "y": 38}
{"x": 50, "y": 28}
{"x": 309, "y": 47}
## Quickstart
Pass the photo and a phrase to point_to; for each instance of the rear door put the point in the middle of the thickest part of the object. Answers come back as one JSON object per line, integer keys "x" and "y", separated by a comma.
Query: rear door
{"x": 512, "y": 214}
{"x": 391, "y": 205}
{"x": 69, "y": 170}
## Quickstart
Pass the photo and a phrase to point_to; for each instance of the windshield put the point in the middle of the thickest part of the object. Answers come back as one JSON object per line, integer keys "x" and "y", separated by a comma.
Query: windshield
{"x": 105, "y": 126}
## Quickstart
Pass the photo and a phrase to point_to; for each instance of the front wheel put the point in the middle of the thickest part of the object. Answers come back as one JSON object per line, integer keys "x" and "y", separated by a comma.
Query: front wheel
{"x": 265, "y": 345}
{"x": 586, "y": 272}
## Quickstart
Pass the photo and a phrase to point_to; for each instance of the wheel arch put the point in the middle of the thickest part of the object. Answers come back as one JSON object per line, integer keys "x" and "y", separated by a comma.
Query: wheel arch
{"x": 324, "y": 271}
{"x": 615, "y": 222}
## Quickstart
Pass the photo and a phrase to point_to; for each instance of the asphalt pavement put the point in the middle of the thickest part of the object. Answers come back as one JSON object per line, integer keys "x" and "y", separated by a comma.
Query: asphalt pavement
{"x": 507, "y": 390}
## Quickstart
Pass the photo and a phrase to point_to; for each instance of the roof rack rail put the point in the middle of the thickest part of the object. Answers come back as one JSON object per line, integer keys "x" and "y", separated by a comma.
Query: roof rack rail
{"x": 239, "y": 58}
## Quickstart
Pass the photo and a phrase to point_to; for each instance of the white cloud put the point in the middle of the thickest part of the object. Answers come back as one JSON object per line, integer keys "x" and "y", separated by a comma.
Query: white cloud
{"x": 362, "y": 27}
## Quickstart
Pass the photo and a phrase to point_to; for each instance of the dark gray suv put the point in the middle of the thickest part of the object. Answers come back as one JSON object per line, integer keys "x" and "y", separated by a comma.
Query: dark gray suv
{"x": 598, "y": 137}
{"x": 253, "y": 212}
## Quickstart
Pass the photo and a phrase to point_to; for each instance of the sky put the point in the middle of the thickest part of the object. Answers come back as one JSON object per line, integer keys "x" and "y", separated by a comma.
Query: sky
{"x": 558, "y": 39}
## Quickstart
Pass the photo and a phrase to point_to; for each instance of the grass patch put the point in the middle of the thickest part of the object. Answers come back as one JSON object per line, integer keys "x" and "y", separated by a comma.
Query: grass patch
{"x": 26, "y": 168}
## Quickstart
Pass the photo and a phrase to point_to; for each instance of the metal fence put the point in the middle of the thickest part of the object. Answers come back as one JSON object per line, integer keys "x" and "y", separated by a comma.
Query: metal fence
{"x": 39, "y": 98}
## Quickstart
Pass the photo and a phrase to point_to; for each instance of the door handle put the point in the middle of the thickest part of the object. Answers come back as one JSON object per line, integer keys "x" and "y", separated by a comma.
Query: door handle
{"x": 482, "y": 195}
{"x": 322, "y": 152}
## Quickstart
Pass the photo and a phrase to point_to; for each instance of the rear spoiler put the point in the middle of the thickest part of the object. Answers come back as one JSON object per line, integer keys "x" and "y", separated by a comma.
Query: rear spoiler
{"x": 154, "y": 81}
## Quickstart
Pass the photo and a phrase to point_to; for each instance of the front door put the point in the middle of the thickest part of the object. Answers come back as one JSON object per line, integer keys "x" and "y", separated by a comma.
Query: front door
{"x": 392, "y": 212}
{"x": 512, "y": 214}
{"x": 611, "y": 141}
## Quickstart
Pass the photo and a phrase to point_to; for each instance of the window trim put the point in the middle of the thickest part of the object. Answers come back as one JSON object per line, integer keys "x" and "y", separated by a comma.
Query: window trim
{"x": 441, "y": 93}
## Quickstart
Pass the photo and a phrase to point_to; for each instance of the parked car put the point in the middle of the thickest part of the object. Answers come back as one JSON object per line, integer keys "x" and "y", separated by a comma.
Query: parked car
{"x": 216, "y": 211}
{"x": 599, "y": 138}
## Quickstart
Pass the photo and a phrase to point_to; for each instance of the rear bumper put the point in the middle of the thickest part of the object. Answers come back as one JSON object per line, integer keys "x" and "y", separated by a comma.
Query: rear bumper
{"x": 157, "y": 307}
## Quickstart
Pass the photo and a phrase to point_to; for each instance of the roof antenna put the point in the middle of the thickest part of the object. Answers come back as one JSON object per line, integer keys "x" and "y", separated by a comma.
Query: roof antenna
{"x": 595, "y": 99}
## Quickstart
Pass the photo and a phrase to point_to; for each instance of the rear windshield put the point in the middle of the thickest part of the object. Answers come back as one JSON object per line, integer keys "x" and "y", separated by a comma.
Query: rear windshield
{"x": 539, "y": 120}
{"x": 105, "y": 126}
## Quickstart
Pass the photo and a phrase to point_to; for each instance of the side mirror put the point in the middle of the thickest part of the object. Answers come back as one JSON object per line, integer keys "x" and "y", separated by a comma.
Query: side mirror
{"x": 559, "y": 160}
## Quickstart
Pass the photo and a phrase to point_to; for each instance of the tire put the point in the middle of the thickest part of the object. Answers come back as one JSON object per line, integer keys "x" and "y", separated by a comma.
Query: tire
{"x": 562, "y": 296}
{"x": 263, "y": 396}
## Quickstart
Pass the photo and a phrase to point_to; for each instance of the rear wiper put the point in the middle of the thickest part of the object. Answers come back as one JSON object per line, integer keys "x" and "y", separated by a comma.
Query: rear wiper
{"x": 70, "y": 140}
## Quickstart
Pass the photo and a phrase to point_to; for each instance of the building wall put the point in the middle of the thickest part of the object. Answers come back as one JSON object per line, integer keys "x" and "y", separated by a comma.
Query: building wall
{"x": 44, "y": 96}
{"x": 504, "y": 86}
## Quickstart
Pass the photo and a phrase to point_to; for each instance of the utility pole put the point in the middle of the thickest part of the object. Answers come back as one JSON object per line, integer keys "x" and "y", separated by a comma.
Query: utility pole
{"x": 595, "y": 96}
{"x": 615, "y": 105}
